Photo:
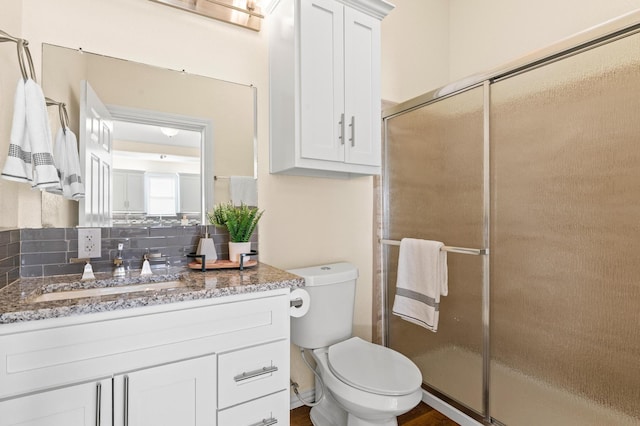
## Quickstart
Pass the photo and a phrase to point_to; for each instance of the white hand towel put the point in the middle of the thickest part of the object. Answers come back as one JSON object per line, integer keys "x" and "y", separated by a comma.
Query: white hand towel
{"x": 17, "y": 166}
{"x": 73, "y": 178}
{"x": 65, "y": 153}
{"x": 243, "y": 189}
{"x": 45, "y": 174}
{"x": 422, "y": 279}
{"x": 60, "y": 160}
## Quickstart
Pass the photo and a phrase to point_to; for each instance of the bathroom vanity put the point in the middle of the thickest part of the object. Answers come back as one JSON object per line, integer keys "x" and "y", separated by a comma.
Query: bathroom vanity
{"x": 210, "y": 349}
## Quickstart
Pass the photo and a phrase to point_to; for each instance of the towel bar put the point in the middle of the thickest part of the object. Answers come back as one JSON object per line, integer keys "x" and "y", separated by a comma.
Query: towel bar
{"x": 450, "y": 249}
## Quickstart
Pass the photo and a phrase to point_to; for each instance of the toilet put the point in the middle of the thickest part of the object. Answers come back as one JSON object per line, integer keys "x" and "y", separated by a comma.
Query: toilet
{"x": 364, "y": 384}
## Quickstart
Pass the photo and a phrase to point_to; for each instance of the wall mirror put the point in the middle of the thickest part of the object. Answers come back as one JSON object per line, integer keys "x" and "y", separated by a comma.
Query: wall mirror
{"x": 152, "y": 124}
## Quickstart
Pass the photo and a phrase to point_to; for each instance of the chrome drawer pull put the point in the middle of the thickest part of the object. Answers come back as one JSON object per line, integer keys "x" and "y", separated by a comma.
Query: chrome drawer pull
{"x": 255, "y": 373}
{"x": 266, "y": 422}
{"x": 98, "y": 403}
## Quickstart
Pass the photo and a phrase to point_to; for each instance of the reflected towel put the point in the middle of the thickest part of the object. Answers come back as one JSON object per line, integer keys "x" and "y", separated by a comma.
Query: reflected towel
{"x": 67, "y": 162}
{"x": 243, "y": 189}
{"x": 422, "y": 279}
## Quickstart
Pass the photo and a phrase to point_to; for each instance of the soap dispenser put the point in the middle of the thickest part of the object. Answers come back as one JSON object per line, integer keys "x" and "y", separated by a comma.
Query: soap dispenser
{"x": 206, "y": 248}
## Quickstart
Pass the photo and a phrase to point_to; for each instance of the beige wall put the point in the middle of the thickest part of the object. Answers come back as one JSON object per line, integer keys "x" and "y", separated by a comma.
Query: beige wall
{"x": 429, "y": 43}
{"x": 415, "y": 48}
{"x": 485, "y": 34}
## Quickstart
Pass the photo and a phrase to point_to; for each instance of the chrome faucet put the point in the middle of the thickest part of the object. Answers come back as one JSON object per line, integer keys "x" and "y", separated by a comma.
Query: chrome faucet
{"x": 119, "y": 270}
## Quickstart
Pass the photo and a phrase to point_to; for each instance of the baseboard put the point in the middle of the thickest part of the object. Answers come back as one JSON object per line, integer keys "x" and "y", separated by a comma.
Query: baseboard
{"x": 449, "y": 411}
{"x": 308, "y": 395}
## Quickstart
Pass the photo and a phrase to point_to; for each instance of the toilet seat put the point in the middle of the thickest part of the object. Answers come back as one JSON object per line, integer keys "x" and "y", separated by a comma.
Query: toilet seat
{"x": 373, "y": 368}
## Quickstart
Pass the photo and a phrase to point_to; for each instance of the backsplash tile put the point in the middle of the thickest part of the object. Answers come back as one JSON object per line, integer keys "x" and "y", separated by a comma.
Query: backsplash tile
{"x": 9, "y": 256}
{"x": 46, "y": 252}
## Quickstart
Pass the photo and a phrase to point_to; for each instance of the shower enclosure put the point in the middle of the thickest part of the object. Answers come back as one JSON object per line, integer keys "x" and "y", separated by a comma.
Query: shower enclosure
{"x": 539, "y": 166}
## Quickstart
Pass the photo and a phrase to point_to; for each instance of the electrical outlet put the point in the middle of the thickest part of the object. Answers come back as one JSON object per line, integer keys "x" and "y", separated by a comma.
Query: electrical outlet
{"x": 89, "y": 241}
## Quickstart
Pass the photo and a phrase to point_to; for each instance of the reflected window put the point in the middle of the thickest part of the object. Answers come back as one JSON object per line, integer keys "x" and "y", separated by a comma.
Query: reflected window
{"x": 162, "y": 193}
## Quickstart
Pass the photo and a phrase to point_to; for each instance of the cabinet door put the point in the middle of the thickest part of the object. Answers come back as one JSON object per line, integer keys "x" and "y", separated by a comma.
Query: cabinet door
{"x": 362, "y": 88}
{"x": 120, "y": 191}
{"x": 190, "y": 193}
{"x": 322, "y": 80}
{"x": 87, "y": 404}
{"x": 181, "y": 393}
{"x": 135, "y": 192}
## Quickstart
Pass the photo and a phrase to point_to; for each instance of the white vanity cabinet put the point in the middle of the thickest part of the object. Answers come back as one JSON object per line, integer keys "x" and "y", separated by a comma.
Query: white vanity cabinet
{"x": 128, "y": 191}
{"x": 221, "y": 361}
{"x": 325, "y": 110}
{"x": 77, "y": 405}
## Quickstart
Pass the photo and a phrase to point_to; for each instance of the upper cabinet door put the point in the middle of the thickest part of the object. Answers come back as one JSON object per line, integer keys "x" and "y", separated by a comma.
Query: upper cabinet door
{"x": 324, "y": 75}
{"x": 322, "y": 82}
{"x": 362, "y": 88}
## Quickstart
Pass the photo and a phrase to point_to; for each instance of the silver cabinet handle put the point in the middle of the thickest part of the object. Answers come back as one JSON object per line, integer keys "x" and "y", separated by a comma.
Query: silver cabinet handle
{"x": 126, "y": 401}
{"x": 341, "y": 122}
{"x": 353, "y": 130}
{"x": 266, "y": 422}
{"x": 255, "y": 373}
{"x": 98, "y": 402}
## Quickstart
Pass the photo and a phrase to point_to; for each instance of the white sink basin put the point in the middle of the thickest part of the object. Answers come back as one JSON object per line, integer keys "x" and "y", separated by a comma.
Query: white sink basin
{"x": 103, "y": 291}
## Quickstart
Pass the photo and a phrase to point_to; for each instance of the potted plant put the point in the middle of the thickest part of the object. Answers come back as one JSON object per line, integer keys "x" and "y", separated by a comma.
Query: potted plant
{"x": 240, "y": 221}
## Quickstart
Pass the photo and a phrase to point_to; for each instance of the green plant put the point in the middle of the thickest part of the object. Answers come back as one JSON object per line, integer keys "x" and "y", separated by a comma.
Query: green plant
{"x": 240, "y": 220}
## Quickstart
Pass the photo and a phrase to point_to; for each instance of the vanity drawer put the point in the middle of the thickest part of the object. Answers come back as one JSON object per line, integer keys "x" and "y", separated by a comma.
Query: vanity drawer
{"x": 252, "y": 372}
{"x": 268, "y": 410}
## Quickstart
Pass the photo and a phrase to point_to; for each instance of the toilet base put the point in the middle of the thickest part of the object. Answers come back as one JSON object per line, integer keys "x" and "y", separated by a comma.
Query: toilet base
{"x": 329, "y": 413}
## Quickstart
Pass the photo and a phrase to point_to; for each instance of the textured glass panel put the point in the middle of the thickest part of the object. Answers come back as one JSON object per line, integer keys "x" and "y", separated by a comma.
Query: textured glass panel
{"x": 565, "y": 241}
{"x": 434, "y": 191}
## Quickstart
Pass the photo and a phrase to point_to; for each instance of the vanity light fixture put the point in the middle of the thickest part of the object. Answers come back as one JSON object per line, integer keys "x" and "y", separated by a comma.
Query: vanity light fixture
{"x": 169, "y": 131}
{"x": 244, "y": 13}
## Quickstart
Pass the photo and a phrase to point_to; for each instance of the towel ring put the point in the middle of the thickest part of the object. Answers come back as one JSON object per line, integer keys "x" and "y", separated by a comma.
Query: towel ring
{"x": 23, "y": 50}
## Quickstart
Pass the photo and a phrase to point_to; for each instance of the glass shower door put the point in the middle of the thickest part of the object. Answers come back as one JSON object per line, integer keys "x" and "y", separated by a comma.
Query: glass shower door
{"x": 434, "y": 190}
{"x": 565, "y": 241}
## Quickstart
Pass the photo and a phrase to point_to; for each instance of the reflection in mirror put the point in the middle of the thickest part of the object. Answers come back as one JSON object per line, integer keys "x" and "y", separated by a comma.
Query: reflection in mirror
{"x": 184, "y": 128}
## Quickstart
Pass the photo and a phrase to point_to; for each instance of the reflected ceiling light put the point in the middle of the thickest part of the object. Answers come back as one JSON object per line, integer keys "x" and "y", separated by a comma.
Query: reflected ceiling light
{"x": 169, "y": 131}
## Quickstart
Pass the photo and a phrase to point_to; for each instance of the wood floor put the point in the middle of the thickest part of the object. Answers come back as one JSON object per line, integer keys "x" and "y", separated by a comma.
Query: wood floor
{"x": 422, "y": 415}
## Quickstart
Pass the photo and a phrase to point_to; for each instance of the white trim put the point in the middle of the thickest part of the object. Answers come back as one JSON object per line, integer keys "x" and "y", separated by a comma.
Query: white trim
{"x": 449, "y": 411}
{"x": 308, "y": 395}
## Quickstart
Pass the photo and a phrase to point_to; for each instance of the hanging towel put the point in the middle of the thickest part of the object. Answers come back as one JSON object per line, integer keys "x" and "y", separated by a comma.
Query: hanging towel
{"x": 17, "y": 166}
{"x": 422, "y": 279}
{"x": 242, "y": 189}
{"x": 65, "y": 153}
{"x": 30, "y": 158}
{"x": 45, "y": 174}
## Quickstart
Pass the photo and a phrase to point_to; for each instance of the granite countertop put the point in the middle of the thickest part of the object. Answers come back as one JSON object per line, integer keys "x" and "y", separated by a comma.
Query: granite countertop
{"x": 17, "y": 302}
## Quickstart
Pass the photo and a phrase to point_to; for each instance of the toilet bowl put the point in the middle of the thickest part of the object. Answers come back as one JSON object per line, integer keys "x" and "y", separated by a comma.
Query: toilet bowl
{"x": 367, "y": 385}
{"x": 364, "y": 384}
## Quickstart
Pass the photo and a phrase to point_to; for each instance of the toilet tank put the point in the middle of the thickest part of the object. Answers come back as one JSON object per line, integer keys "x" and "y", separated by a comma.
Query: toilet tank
{"x": 332, "y": 290}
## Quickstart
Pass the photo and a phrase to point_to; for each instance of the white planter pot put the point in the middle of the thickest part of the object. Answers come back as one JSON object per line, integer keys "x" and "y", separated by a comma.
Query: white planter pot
{"x": 235, "y": 249}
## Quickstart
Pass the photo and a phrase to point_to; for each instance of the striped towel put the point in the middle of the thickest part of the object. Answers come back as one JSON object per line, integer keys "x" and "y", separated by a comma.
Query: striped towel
{"x": 422, "y": 279}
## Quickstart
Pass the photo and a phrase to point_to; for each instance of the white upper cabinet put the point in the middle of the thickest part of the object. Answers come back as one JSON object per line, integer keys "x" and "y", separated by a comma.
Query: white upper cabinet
{"x": 325, "y": 87}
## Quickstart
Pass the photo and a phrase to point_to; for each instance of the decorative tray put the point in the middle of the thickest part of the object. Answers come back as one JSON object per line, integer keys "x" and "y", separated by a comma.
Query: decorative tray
{"x": 223, "y": 264}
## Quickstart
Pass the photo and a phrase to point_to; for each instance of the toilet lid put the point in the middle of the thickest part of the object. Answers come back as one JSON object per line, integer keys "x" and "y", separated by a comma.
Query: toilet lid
{"x": 373, "y": 368}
